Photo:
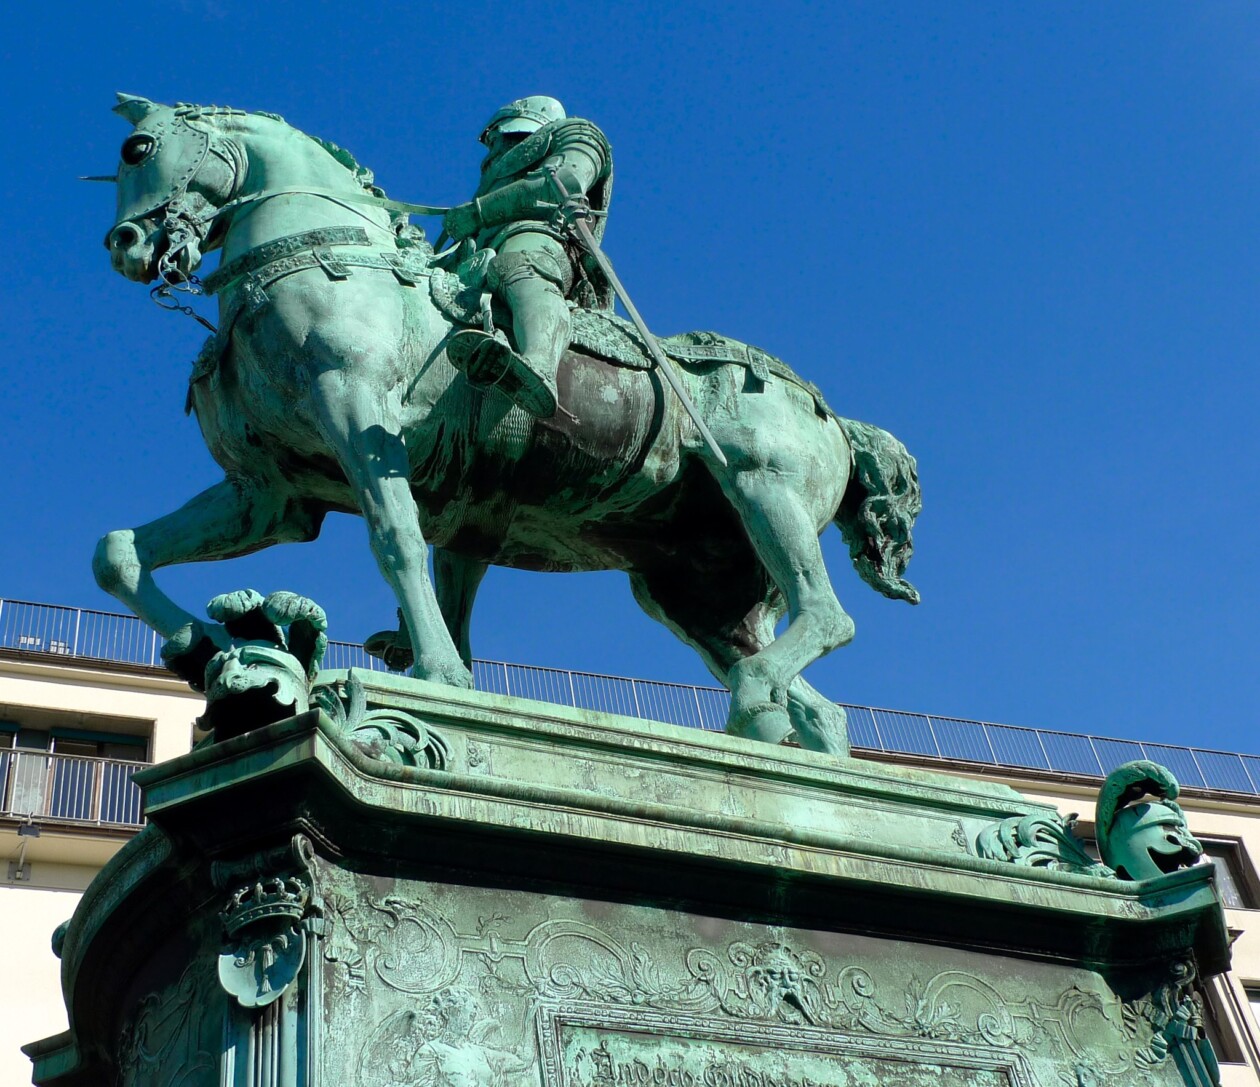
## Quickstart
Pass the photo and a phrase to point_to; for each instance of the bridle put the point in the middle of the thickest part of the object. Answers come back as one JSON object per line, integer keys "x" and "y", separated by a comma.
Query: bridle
{"x": 190, "y": 218}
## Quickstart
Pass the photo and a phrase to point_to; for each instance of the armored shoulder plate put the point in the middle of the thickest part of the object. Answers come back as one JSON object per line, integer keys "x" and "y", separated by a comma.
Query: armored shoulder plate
{"x": 529, "y": 152}
{"x": 574, "y": 133}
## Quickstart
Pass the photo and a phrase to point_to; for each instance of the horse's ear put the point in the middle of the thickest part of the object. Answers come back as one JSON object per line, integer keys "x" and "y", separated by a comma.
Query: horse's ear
{"x": 133, "y": 107}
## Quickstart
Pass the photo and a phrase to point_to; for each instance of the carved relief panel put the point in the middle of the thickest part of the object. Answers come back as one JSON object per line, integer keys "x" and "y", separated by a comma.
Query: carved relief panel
{"x": 432, "y": 985}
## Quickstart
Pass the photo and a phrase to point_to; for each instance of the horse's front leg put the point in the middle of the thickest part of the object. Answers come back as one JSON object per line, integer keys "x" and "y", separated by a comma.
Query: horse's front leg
{"x": 365, "y": 432}
{"x": 234, "y": 517}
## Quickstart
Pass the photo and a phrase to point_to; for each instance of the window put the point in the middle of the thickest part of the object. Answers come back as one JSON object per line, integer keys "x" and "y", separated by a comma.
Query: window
{"x": 1253, "y": 998}
{"x": 1220, "y": 1032}
{"x": 1235, "y": 880}
{"x": 72, "y": 774}
{"x": 85, "y": 745}
{"x": 91, "y": 775}
{"x": 8, "y": 733}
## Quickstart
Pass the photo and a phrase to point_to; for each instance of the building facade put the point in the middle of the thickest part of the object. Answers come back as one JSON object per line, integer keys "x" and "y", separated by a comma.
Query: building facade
{"x": 84, "y": 703}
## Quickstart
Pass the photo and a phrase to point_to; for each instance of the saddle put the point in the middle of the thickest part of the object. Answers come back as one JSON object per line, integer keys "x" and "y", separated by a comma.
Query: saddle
{"x": 461, "y": 295}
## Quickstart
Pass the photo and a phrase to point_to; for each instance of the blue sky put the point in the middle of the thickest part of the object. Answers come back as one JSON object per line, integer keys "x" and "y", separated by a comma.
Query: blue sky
{"x": 1021, "y": 237}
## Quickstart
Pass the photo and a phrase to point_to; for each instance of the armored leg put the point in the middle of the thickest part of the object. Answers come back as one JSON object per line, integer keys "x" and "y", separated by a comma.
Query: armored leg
{"x": 540, "y": 321}
{"x": 530, "y": 274}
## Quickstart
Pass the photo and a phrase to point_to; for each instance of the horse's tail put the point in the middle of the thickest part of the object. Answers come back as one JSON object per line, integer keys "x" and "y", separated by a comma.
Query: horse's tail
{"x": 880, "y": 504}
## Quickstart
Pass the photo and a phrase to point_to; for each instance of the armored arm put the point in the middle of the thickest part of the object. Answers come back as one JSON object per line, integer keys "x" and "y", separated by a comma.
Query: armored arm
{"x": 575, "y": 148}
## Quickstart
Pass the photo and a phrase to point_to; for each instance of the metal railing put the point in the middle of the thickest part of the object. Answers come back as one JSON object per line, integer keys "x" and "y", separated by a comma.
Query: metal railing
{"x": 46, "y": 787}
{"x": 108, "y": 636}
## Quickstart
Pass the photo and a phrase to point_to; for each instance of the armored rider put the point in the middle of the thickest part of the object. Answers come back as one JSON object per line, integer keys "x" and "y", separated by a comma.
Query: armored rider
{"x": 536, "y": 265}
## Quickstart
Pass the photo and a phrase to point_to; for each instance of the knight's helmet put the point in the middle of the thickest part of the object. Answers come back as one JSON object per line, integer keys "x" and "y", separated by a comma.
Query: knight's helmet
{"x": 525, "y": 115}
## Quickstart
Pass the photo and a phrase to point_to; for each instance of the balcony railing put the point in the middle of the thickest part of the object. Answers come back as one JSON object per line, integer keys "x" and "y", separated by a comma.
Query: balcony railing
{"x": 46, "y": 788}
{"x": 108, "y": 636}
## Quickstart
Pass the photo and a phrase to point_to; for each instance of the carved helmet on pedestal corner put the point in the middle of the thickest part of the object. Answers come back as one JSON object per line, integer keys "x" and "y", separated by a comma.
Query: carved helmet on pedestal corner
{"x": 525, "y": 115}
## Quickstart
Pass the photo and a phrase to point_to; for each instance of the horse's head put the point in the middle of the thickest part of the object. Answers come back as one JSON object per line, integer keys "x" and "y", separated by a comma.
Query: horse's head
{"x": 175, "y": 172}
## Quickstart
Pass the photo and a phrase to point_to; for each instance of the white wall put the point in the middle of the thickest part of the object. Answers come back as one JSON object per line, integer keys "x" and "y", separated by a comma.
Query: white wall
{"x": 30, "y": 979}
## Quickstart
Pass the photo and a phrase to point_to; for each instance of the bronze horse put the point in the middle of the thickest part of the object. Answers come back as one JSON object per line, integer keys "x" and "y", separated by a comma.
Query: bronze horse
{"x": 327, "y": 388}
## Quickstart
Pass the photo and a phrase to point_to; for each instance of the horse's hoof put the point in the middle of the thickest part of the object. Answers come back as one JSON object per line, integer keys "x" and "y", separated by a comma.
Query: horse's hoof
{"x": 826, "y": 733}
{"x": 765, "y": 721}
{"x": 453, "y": 677}
{"x": 829, "y": 742}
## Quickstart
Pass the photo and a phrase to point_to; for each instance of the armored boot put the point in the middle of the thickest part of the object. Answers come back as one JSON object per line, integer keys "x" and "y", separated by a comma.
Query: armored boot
{"x": 542, "y": 326}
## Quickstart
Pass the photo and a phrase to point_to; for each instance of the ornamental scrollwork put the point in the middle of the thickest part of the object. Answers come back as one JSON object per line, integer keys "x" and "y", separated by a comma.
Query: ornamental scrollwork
{"x": 386, "y": 734}
{"x": 405, "y": 945}
{"x": 172, "y": 1037}
{"x": 768, "y": 980}
{"x": 772, "y": 981}
{"x": 1171, "y": 1020}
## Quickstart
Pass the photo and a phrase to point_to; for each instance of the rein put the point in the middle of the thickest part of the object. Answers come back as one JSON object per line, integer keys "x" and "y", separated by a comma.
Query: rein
{"x": 186, "y": 227}
{"x": 232, "y": 206}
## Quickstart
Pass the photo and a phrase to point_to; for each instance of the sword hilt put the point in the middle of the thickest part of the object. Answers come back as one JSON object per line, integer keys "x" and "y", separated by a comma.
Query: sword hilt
{"x": 573, "y": 206}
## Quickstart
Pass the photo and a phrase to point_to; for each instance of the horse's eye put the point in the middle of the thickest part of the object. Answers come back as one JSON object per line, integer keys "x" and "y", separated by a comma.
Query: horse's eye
{"x": 137, "y": 148}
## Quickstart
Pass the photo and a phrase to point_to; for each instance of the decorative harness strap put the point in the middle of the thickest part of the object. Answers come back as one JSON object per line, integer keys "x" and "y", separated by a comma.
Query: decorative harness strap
{"x": 263, "y": 265}
{"x": 250, "y": 274}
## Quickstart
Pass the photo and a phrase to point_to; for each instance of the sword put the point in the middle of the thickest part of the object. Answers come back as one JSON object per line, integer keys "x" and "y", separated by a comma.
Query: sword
{"x": 575, "y": 214}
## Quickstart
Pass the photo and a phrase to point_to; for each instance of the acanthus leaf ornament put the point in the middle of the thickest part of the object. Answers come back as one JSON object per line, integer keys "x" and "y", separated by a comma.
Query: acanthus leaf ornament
{"x": 1039, "y": 841}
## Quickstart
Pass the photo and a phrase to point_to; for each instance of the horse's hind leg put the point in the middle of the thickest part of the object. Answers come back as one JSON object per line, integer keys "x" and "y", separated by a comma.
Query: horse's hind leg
{"x": 785, "y": 536}
{"x": 728, "y": 618}
{"x": 820, "y": 724}
{"x": 456, "y": 579}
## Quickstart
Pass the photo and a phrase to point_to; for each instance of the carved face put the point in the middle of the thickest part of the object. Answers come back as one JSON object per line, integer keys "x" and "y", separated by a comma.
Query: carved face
{"x": 159, "y": 160}
{"x": 1150, "y": 840}
{"x": 774, "y": 972}
{"x": 253, "y": 684}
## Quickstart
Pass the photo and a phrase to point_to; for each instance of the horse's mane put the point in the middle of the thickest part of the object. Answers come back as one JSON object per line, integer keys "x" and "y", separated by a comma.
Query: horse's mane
{"x": 364, "y": 176}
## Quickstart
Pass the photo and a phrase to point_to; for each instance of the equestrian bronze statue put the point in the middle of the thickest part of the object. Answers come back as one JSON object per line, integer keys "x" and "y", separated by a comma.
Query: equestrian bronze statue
{"x": 487, "y": 400}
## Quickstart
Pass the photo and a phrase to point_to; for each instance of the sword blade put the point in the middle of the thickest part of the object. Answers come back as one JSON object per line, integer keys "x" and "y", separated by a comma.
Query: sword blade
{"x": 654, "y": 349}
{"x": 663, "y": 363}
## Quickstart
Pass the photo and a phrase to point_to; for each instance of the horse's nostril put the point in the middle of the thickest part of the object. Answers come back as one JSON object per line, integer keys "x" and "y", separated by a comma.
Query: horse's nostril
{"x": 125, "y": 236}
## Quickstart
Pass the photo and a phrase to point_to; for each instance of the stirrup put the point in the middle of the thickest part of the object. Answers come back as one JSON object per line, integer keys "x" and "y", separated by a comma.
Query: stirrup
{"x": 488, "y": 361}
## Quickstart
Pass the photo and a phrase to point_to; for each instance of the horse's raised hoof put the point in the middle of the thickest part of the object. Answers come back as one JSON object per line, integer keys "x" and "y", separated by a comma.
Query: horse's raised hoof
{"x": 765, "y": 721}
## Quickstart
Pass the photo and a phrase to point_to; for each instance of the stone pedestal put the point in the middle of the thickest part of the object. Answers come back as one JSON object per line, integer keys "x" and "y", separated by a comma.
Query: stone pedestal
{"x": 556, "y": 898}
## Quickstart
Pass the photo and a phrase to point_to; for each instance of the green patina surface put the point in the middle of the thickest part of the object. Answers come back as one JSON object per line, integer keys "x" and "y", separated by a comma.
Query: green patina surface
{"x": 486, "y": 401}
{"x": 380, "y": 881}
{"x": 543, "y": 895}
